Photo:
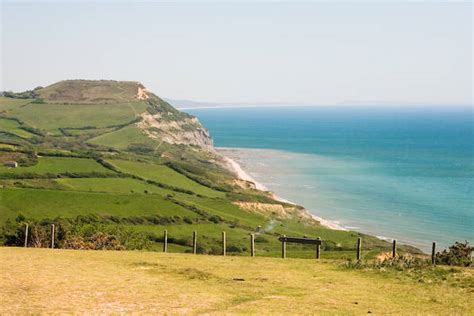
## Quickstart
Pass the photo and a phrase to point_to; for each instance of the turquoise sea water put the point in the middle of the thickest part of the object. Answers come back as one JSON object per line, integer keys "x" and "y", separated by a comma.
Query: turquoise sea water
{"x": 404, "y": 173}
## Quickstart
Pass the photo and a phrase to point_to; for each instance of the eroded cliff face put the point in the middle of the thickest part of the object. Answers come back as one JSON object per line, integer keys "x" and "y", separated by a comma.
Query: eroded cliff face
{"x": 281, "y": 211}
{"x": 186, "y": 131}
{"x": 165, "y": 123}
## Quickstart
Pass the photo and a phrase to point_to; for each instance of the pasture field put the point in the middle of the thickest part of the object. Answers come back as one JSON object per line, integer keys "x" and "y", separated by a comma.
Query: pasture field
{"x": 12, "y": 127}
{"x": 164, "y": 174}
{"x": 7, "y": 104}
{"x": 50, "y": 117}
{"x": 111, "y": 185}
{"x": 43, "y": 281}
{"x": 122, "y": 138}
{"x": 42, "y": 203}
{"x": 58, "y": 165}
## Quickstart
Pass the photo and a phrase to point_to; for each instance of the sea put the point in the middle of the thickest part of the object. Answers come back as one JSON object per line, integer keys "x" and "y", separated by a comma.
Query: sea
{"x": 404, "y": 173}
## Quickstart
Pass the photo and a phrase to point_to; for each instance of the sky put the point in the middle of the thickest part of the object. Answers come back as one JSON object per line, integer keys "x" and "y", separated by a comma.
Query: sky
{"x": 353, "y": 52}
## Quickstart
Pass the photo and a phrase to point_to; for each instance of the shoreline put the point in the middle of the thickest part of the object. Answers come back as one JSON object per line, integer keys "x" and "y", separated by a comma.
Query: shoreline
{"x": 235, "y": 167}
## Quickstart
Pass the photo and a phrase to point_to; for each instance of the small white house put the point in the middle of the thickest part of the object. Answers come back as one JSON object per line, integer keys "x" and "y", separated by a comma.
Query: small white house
{"x": 10, "y": 164}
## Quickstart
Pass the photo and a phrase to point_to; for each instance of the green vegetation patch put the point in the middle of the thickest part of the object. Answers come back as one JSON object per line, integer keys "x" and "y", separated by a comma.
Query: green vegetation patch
{"x": 7, "y": 104}
{"x": 112, "y": 185}
{"x": 164, "y": 174}
{"x": 50, "y": 117}
{"x": 59, "y": 165}
{"x": 40, "y": 204}
{"x": 13, "y": 127}
{"x": 122, "y": 139}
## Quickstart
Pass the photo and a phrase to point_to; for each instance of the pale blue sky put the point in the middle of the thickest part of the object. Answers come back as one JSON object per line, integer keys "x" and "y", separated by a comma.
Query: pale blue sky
{"x": 315, "y": 53}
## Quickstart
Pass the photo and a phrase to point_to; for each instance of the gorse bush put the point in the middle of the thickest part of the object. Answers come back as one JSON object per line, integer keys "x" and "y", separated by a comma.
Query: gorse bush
{"x": 459, "y": 254}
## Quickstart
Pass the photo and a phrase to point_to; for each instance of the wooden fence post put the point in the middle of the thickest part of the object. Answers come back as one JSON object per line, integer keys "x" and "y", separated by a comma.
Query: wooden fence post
{"x": 52, "y": 235}
{"x": 165, "y": 241}
{"x": 223, "y": 244}
{"x": 194, "y": 242}
{"x": 283, "y": 248}
{"x": 433, "y": 253}
{"x": 318, "y": 249}
{"x": 26, "y": 235}
{"x": 394, "y": 248}
{"x": 252, "y": 245}
{"x": 359, "y": 243}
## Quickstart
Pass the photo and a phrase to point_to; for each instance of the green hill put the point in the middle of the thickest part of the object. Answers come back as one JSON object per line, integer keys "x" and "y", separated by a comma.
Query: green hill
{"x": 111, "y": 160}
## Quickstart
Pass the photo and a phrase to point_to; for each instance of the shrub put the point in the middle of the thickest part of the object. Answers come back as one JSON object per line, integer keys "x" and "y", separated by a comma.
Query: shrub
{"x": 260, "y": 238}
{"x": 216, "y": 219}
{"x": 141, "y": 148}
{"x": 187, "y": 220}
{"x": 98, "y": 241}
{"x": 233, "y": 248}
{"x": 459, "y": 254}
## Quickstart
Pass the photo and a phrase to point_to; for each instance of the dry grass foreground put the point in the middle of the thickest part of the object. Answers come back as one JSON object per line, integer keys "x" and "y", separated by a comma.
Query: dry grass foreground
{"x": 39, "y": 281}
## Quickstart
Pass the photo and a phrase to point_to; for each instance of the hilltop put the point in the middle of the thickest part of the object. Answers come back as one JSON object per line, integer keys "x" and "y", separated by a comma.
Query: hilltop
{"x": 110, "y": 160}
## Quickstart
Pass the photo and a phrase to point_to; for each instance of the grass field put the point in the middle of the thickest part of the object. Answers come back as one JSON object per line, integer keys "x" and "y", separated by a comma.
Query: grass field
{"x": 164, "y": 175}
{"x": 41, "y": 203}
{"x": 13, "y": 127}
{"x": 57, "y": 165}
{"x": 50, "y": 117}
{"x": 7, "y": 104}
{"x": 44, "y": 281}
{"x": 122, "y": 138}
{"x": 112, "y": 185}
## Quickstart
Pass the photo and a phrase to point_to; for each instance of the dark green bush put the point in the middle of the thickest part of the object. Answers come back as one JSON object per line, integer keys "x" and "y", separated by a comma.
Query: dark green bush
{"x": 261, "y": 239}
{"x": 216, "y": 219}
{"x": 235, "y": 249}
{"x": 459, "y": 254}
{"x": 187, "y": 220}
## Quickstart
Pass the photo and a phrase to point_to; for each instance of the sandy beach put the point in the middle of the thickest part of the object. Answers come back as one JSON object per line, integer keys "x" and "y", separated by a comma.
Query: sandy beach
{"x": 235, "y": 167}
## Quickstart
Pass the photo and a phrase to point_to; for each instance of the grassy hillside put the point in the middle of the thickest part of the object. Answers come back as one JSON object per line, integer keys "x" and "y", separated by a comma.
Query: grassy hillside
{"x": 109, "y": 282}
{"x": 13, "y": 127}
{"x": 89, "y": 91}
{"x": 108, "y": 158}
{"x": 57, "y": 165}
